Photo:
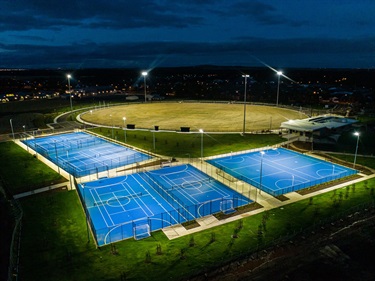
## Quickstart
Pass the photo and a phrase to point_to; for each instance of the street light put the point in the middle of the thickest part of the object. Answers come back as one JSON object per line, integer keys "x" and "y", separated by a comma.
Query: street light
{"x": 279, "y": 73}
{"x": 11, "y": 127}
{"x": 244, "y": 104}
{"x": 144, "y": 73}
{"x": 70, "y": 94}
{"x": 356, "y": 149}
{"x": 124, "y": 118}
{"x": 201, "y": 131}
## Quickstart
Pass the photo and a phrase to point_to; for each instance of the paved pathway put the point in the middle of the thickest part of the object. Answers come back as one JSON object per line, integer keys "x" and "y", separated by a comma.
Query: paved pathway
{"x": 43, "y": 189}
{"x": 267, "y": 201}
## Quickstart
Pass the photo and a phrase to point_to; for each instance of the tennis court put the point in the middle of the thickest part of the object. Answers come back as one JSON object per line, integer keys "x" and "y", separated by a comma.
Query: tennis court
{"x": 137, "y": 204}
{"x": 82, "y": 154}
{"x": 279, "y": 171}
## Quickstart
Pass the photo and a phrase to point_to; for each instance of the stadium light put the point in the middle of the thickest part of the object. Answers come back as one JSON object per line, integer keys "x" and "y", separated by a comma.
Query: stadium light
{"x": 279, "y": 73}
{"x": 11, "y": 127}
{"x": 124, "y": 118}
{"x": 70, "y": 94}
{"x": 244, "y": 104}
{"x": 201, "y": 131}
{"x": 144, "y": 73}
{"x": 356, "y": 149}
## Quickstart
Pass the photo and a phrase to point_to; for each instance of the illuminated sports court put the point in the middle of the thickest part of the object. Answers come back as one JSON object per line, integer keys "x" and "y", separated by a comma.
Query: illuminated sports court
{"x": 137, "y": 204}
{"x": 278, "y": 171}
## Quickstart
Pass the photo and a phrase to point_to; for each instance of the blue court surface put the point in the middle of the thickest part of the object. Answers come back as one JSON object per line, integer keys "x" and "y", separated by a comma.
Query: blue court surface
{"x": 279, "y": 171}
{"x": 82, "y": 154}
{"x": 137, "y": 204}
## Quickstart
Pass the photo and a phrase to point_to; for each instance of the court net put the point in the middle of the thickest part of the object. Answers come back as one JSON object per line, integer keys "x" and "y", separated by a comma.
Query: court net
{"x": 118, "y": 200}
{"x": 190, "y": 184}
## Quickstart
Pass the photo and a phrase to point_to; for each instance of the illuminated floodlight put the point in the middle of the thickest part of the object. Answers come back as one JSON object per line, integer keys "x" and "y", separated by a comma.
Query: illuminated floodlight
{"x": 357, "y": 134}
{"x": 144, "y": 73}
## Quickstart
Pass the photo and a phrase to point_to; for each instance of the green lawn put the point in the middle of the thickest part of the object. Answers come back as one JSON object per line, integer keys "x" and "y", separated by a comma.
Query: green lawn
{"x": 54, "y": 244}
{"x": 22, "y": 172}
{"x": 187, "y": 145}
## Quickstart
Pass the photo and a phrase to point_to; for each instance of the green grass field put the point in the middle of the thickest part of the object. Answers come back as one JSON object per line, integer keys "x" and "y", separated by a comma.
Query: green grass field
{"x": 211, "y": 117}
{"x": 54, "y": 244}
{"x": 22, "y": 172}
{"x": 185, "y": 145}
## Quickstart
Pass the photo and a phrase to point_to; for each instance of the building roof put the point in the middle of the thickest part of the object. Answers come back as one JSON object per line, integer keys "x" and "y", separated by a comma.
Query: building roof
{"x": 317, "y": 123}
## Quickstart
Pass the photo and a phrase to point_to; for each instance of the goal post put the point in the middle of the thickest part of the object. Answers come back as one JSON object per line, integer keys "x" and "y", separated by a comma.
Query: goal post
{"x": 141, "y": 231}
{"x": 226, "y": 206}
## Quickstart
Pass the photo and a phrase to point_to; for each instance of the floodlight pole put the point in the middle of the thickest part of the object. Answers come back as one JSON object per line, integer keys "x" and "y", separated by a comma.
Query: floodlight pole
{"x": 201, "y": 131}
{"x": 261, "y": 169}
{"x": 244, "y": 104}
{"x": 279, "y": 73}
{"x": 124, "y": 118}
{"x": 85, "y": 207}
{"x": 356, "y": 149}
{"x": 113, "y": 137}
{"x": 70, "y": 94}
{"x": 144, "y": 73}
{"x": 11, "y": 127}
{"x": 57, "y": 158}
{"x": 153, "y": 139}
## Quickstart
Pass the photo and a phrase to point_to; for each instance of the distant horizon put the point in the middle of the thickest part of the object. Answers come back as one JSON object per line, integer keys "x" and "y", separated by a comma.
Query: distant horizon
{"x": 146, "y": 34}
{"x": 181, "y": 66}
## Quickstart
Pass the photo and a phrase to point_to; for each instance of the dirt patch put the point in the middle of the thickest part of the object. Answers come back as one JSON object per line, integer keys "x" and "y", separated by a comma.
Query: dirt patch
{"x": 239, "y": 210}
{"x": 190, "y": 224}
{"x": 282, "y": 198}
{"x": 327, "y": 185}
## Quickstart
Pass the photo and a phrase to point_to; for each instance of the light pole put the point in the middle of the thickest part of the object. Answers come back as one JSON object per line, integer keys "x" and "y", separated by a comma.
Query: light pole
{"x": 279, "y": 73}
{"x": 356, "y": 149}
{"x": 70, "y": 94}
{"x": 261, "y": 169}
{"x": 57, "y": 158}
{"x": 112, "y": 126}
{"x": 124, "y": 118}
{"x": 24, "y": 130}
{"x": 244, "y": 104}
{"x": 153, "y": 138}
{"x": 144, "y": 73}
{"x": 11, "y": 127}
{"x": 201, "y": 131}
{"x": 85, "y": 207}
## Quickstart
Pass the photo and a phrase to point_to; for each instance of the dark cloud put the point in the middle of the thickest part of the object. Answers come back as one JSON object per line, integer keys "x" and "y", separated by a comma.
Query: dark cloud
{"x": 39, "y": 33}
{"x": 140, "y": 54}
{"x": 46, "y": 14}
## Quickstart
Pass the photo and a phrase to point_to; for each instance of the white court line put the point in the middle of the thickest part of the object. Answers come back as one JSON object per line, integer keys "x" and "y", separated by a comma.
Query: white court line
{"x": 100, "y": 211}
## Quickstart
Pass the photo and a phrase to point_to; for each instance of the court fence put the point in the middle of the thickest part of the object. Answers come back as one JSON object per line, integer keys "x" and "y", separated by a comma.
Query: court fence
{"x": 181, "y": 213}
{"x": 59, "y": 152}
{"x": 294, "y": 187}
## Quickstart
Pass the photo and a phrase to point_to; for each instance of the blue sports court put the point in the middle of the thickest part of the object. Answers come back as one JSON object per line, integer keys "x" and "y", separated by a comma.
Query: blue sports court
{"x": 82, "y": 154}
{"x": 137, "y": 204}
{"x": 279, "y": 171}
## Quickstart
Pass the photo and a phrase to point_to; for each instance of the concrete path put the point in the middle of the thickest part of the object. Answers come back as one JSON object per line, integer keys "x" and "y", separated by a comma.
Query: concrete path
{"x": 267, "y": 201}
{"x": 43, "y": 189}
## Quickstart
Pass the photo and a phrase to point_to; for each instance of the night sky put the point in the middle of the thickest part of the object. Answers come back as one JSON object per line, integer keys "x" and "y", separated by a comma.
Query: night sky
{"x": 147, "y": 34}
